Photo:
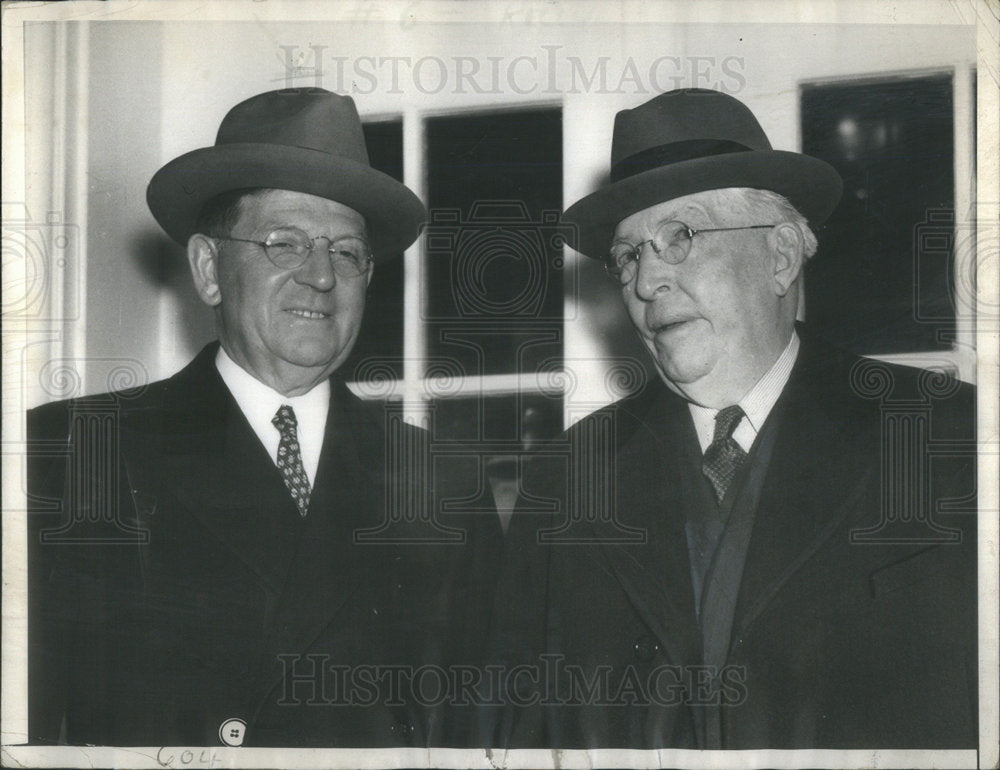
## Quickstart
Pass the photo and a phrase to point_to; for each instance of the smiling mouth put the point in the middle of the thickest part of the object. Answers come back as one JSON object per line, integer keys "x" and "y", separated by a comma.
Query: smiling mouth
{"x": 310, "y": 314}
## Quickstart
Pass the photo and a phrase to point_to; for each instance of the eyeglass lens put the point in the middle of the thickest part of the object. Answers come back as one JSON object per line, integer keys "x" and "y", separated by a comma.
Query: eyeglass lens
{"x": 291, "y": 247}
{"x": 671, "y": 243}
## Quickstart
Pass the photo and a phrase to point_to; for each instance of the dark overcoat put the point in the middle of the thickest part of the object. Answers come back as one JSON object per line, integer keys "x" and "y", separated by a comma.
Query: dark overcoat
{"x": 854, "y": 624}
{"x": 174, "y": 587}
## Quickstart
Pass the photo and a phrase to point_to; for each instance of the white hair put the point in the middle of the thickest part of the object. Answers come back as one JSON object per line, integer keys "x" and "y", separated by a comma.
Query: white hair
{"x": 766, "y": 207}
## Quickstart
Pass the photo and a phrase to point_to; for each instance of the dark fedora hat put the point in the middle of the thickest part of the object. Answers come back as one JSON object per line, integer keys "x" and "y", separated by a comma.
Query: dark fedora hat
{"x": 688, "y": 141}
{"x": 306, "y": 140}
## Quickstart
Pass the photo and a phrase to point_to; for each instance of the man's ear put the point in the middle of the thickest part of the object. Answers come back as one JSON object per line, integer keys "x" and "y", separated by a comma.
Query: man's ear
{"x": 203, "y": 256}
{"x": 788, "y": 248}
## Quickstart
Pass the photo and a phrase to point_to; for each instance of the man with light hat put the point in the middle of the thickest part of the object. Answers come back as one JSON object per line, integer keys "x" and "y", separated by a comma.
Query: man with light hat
{"x": 781, "y": 564}
{"x": 230, "y": 600}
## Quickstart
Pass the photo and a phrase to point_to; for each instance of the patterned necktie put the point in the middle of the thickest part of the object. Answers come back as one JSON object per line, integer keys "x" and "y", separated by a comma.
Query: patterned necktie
{"x": 724, "y": 456}
{"x": 290, "y": 458}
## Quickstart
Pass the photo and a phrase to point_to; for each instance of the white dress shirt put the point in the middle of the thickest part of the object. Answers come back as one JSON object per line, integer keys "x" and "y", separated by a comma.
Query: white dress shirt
{"x": 260, "y": 403}
{"x": 756, "y": 404}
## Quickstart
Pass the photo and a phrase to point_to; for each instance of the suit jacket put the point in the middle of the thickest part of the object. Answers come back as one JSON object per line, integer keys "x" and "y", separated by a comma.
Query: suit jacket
{"x": 175, "y": 588}
{"x": 853, "y": 623}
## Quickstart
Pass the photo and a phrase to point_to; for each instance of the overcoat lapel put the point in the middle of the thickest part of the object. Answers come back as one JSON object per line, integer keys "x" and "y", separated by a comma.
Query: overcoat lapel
{"x": 820, "y": 470}
{"x": 656, "y": 574}
{"x": 215, "y": 465}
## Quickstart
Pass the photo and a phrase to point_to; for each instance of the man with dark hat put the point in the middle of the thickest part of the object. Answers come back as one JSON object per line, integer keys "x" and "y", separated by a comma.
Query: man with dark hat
{"x": 780, "y": 564}
{"x": 215, "y": 590}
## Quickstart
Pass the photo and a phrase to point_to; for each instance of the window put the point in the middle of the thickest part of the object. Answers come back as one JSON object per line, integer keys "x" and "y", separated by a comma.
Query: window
{"x": 883, "y": 281}
{"x": 382, "y": 328}
{"x": 494, "y": 188}
{"x": 479, "y": 351}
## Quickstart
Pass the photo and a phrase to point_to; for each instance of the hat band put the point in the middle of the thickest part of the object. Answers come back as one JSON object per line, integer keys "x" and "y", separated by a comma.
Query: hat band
{"x": 673, "y": 152}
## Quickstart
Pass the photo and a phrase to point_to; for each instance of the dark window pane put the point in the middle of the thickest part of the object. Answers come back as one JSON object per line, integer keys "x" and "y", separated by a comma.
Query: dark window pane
{"x": 494, "y": 259}
{"x": 379, "y": 349}
{"x": 880, "y": 282}
{"x": 485, "y": 442}
{"x": 499, "y": 423}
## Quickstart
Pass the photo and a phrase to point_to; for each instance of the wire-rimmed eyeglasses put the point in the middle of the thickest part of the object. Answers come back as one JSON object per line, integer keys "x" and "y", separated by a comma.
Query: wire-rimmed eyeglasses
{"x": 288, "y": 248}
{"x": 671, "y": 243}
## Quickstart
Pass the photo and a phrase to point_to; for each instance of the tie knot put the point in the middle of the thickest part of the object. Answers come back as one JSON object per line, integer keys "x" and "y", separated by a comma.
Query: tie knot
{"x": 284, "y": 419}
{"x": 726, "y": 421}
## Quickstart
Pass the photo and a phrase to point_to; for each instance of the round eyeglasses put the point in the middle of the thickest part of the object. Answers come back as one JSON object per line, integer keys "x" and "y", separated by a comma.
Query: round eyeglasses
{"x": 288, "y": 248}
{"x": 671, "y": 243}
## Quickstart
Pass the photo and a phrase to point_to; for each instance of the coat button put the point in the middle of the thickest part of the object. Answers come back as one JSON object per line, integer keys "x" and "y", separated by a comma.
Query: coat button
{"x": 232, "y": 732}
{"x": 645, "y": 648}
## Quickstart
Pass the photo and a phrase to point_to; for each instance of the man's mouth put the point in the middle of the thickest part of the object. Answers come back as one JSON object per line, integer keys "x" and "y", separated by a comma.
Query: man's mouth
{"x": 671, "y": 325}
{"x": 310, "y": 314}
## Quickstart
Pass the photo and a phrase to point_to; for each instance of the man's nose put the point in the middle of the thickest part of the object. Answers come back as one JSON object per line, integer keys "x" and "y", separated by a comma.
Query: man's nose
{"x": 653, "y": 274}
{"x": 317, "y": 271}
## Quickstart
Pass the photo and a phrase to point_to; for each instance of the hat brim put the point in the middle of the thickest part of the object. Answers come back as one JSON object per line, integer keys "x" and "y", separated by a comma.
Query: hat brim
{"x": 179, "y": 190}
{"x": 811, "y": 185}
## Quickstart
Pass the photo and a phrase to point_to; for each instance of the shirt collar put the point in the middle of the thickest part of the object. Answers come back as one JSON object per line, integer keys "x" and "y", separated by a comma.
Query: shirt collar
{"x": 756, "y": 404}
{"x": 259, "y": 402}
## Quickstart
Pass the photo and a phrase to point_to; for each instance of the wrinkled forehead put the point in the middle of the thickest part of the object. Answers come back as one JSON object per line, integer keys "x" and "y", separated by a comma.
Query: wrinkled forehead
{"x": 698, "y": 210}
